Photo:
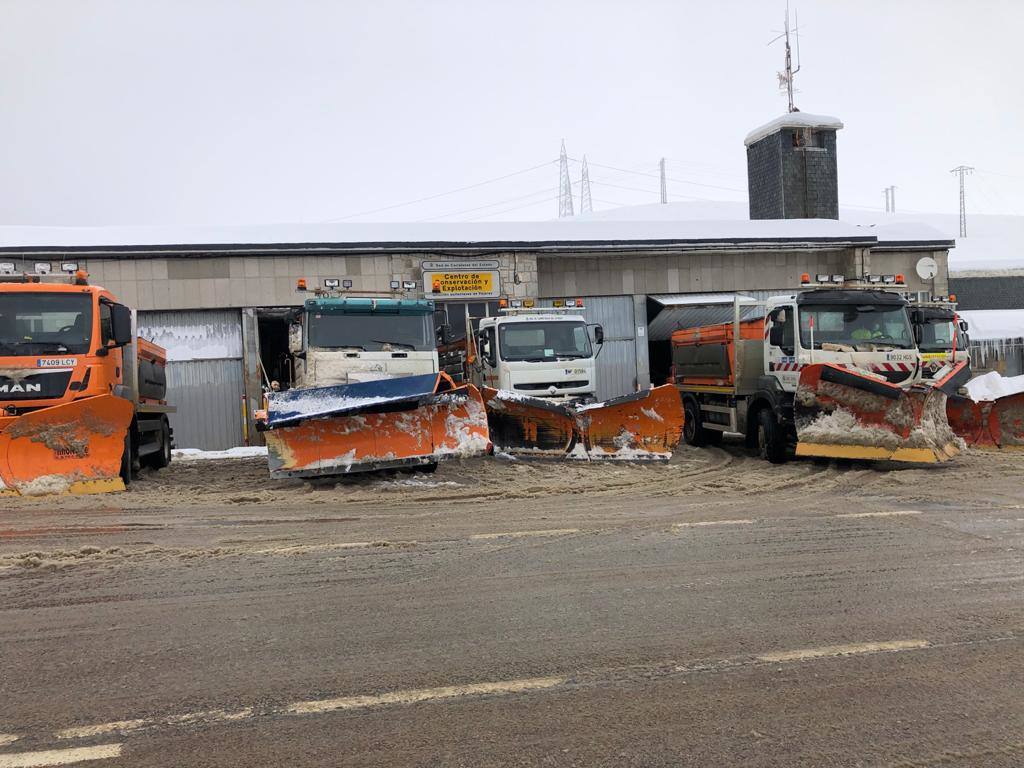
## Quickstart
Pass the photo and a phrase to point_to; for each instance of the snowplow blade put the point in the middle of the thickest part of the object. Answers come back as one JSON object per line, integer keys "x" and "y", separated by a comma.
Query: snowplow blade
{"x": 988, "y": 424}
{"x": 72, "y": 448}
{"x": 529, "y": 425}
{"x": 843, "y": 414}
{"x": 403, "y": 422}
{"x": 643, "y": 425}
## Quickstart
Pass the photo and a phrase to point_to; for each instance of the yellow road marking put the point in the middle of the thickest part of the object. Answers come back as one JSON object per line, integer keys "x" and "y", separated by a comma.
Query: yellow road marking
{"x": 844, "y": 650}
{"x": 714, "y": 522}
{"x": 424, "y": 694}
{"x": 518, "y": 534}
{"x": 60, "y": 756}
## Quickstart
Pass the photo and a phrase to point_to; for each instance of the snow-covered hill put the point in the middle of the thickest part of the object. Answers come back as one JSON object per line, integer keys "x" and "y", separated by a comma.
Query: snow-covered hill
{"x": 993, "y": 242}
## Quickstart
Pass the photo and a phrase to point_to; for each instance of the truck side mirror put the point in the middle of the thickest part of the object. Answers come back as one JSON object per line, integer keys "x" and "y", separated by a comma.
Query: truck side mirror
{"x": 776, "y": 336}
{"x": 918, "y": 334}
{"x": 963, "y": 326}
{"x": 120, "y": 325}
{"x": 599, "y": 334}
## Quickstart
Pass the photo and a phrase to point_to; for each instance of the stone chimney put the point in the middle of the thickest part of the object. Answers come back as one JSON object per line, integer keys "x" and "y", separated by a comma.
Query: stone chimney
{"x": 791, "y": 168}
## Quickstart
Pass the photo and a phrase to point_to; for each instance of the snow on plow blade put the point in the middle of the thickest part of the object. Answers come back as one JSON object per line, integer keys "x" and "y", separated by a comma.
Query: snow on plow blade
{"x": 988, "y": 424}
{"x": 409, "y": 421}
{"x": 844, "y": 414}
{"x": 643, "y": 425}
{"x": 522, "y": 424}
{"x": 71, "y": 448}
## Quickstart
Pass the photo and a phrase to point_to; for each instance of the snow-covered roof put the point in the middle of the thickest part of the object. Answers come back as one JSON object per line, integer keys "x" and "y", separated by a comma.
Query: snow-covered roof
{"x": 793, "y": 120}
{"x": 587, "y": 233}
{"x": 994, "y": 323}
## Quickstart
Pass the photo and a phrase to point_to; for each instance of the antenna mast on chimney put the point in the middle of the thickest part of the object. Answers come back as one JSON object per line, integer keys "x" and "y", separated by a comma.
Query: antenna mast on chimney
{"x": 786, "y": 77}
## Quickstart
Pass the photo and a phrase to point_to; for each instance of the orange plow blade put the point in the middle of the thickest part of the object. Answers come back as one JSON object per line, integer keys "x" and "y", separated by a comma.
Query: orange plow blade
{"x": 72, "y": 448}
{"x": 529, "y": 425}
{"x": 408, "y": 422}
{"x": 644, "y": 425}
{"x": 844, "y": 414}
{"x": 988, "y": 424}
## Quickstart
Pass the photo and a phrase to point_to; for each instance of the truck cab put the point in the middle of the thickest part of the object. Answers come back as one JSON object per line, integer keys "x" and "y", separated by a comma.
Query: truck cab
{"x": 941, "y": 336}
{"x": 539, "y": 353}
{"x": 59, "y": 342}
{"x": 344, "y": 340}
{"x": 866, "y": 330}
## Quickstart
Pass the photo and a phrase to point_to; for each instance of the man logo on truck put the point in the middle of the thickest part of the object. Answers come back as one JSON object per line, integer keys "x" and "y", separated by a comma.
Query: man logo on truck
{"x": 23, "y": 388}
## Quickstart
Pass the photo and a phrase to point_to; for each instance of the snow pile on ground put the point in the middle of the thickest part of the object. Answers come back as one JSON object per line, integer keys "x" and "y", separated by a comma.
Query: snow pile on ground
{"x": 992, "y": 385}
{"x": 194, "y": 454}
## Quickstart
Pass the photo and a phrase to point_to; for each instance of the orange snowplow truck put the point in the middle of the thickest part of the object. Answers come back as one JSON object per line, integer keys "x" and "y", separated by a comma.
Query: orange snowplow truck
{"x": 81, "y": 398}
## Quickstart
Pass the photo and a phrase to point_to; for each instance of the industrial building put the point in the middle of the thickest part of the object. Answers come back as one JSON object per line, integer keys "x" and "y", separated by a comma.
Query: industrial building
{"x": 217, "y": 298}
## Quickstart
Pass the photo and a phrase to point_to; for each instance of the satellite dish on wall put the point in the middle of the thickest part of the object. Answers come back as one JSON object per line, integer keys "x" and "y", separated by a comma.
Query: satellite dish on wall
{"x": 927, "y": 268}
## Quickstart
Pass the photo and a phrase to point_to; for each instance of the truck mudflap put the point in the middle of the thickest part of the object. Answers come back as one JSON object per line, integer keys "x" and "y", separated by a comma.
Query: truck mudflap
{"x": 990, "y": 425}
{"x": 402, "y": 422}
{"x": 72, "y": 448}
{"x": 643, "y": 425}
{"x": 847, "y": 414}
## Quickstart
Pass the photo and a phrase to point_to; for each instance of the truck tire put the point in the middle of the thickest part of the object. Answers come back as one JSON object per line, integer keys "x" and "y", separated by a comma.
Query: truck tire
{"x": 771, "y": 441}
{"x": 126, "y": 460}
{"x": 693, "y": 430}
{"x": 161, "y": 458}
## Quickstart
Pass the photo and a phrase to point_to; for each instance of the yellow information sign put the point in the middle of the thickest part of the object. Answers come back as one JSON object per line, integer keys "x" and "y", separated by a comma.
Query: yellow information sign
{"x": 461, "y": 283}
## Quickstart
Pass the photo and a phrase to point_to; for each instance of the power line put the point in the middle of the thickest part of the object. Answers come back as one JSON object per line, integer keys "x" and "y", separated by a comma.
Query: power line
{"x": 658, "y": 176}
{"x": 444, "y": 194}
{"x": 489, "y": 205}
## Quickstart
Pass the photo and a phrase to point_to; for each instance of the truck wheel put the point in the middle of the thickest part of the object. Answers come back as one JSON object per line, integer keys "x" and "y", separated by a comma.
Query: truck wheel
{"x": 126, "y": 461}
{"x": 162, "y": 458}
{"x": 771, "y": 442}
{"x": 693, "y": 431}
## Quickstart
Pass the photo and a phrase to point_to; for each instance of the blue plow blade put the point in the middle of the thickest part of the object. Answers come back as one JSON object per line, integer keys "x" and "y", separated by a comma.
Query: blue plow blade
{"x": 294, "y": 406}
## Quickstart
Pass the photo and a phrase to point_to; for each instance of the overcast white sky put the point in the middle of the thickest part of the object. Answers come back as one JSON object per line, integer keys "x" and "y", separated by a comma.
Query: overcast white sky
{"x": 205, "y": 112}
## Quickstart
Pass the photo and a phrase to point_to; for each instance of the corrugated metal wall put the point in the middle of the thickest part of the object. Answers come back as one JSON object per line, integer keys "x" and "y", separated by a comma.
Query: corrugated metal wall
{"x": 616, "y": 365}
{"x": 204, "y": 374}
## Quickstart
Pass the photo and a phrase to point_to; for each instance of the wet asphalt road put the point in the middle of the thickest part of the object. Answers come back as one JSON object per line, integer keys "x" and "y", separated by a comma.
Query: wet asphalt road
{"x": 715, "y": 611}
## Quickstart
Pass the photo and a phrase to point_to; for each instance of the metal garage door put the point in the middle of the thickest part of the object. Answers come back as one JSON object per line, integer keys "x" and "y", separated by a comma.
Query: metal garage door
{"x": 204, "y": 374}
{"x": 616, "y": 365}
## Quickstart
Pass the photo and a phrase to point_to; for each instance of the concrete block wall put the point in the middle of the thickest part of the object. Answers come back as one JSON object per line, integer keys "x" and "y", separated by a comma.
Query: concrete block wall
{"x": 217, "y": 282}
{"x": 695, "y": 272}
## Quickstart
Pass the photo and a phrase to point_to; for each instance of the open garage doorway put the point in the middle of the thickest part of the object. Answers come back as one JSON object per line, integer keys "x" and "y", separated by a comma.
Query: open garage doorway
{"x": 276, "y": 363}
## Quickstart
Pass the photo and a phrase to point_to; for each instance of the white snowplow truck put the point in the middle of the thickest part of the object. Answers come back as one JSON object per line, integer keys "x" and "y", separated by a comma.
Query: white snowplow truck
{"x": 366, "y": 391}
{"x": 832, "y": 371}
{"x": 537, "y": 371}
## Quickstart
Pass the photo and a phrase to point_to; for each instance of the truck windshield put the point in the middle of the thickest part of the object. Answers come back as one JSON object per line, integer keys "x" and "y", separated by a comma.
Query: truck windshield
{"x": 45, "y": 323}
{"x": 371, "y": 333}
{"x": 855, "y": 327}
{"x": 543, "y": 340}
{"x": 936, "y": 335}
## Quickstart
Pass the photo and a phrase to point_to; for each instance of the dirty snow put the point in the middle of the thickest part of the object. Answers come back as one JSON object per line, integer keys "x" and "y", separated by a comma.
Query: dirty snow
{"x": 992, "y": 385}
{"x": 194, "y": 454}
{"x": 46, "y": 485}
